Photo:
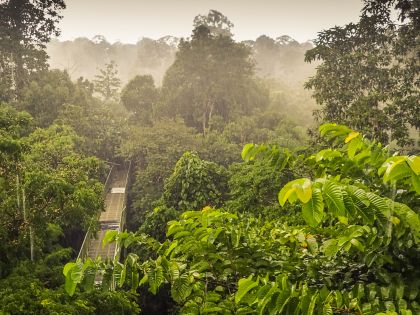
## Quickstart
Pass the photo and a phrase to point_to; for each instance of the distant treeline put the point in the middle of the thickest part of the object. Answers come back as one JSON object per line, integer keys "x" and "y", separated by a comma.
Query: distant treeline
{"x": 281, "y": 58}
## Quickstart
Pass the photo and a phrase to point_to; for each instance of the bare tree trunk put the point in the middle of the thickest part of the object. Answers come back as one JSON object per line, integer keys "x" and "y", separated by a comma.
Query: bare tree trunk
{"x": 31, "y": 231}
{"x": 18, "y": 191}
{"x": 204, "y": 124}
{"x": 210, "y": 114}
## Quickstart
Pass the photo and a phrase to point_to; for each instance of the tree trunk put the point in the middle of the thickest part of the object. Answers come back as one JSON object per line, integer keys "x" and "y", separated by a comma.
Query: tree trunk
{"x": 31, "y": 231}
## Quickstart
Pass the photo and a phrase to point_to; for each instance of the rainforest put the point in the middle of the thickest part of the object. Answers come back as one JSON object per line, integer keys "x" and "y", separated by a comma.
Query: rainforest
{"x": 207, "y": 173}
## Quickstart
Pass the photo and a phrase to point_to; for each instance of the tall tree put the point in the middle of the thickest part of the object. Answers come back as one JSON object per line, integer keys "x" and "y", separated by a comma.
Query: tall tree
{"x": 211, "y": 76}
{"x": 216, "y": 22}
{"x": 369, "y": 75}
{"x": 139, "y": 96}
{"x": 107, "y": 83}
{"x": 25, "y": 28}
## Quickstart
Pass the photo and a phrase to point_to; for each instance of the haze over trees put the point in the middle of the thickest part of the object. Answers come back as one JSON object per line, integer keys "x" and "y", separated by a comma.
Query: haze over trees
{"x": 234, "y": 205}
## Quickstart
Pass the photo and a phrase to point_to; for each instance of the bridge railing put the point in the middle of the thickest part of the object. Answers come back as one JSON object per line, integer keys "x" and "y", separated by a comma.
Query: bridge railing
{"x": 84, "y": 249}
{"x": 123, "y": 213}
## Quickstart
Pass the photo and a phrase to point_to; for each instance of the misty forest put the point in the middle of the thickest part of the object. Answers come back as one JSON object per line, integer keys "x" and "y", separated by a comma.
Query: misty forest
{"x": 209, "y": 175}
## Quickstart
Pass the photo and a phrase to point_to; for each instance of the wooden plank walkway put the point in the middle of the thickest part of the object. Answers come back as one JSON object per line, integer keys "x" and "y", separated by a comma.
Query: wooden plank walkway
{"x": 111, "y": 217}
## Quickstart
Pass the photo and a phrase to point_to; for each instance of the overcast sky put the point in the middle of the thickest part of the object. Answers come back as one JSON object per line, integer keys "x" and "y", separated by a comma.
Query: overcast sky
{"x": 129, "y": 20}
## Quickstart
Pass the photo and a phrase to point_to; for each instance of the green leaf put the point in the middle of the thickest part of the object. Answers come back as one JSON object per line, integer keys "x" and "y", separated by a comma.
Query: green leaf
{"x": 327, "y": 154}
{"x": 415, "y": 182}
{"x": 181, "y": 288}
{"x": 171, "y": 247}
{"x": 379, "y": 204}
{"x": 312, "y": 305}
{"x": 334, "y": 199}
{"x": 327, "y": 310}
{"x": 73, "y": 273}
{"x": 353, "y": 146}
{"x": 110, "y": 236}
{"x": 313, "y": 210}
{"x": 356, "y": 243}
{"x": 414, "y": 163}
{"x": 246, "y": 150}
{"x": 285, "y": 193}
{"x": 244, "y": 286}
{"x": 304, "y": 190}
{"x": 394, "y": 168}
{"x": 312, "y": 244}
{"x": 332, "y": 131}
{"x": 330, "y": 247}
{"x": 67, "y": 268}
{"x": 156, "y": 278}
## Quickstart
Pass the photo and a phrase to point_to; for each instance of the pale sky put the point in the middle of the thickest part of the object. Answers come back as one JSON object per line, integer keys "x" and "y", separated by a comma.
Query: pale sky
{"x": 129, "y": 20}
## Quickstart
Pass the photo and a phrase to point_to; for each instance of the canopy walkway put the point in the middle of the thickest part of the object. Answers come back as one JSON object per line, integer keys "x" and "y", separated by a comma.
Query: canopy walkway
{"x": 113, "y": 218}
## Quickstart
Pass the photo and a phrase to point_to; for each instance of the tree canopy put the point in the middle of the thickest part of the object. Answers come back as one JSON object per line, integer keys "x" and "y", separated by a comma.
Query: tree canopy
{"x": 25, "y": 29}
{"x": 368, "y": 78}
{"x": 211, "y": 76}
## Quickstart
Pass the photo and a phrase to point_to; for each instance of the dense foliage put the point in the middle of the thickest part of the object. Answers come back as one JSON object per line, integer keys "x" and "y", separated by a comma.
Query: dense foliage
{"x": 355, "y": 250}
{"x": 25, "y": 29}
{"x": 283, "y": 228}
{"x": 369, "y": 75}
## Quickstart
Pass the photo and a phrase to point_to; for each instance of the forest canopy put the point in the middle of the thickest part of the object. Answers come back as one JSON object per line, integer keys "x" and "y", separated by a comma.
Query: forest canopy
{"x": 238, "y": 193}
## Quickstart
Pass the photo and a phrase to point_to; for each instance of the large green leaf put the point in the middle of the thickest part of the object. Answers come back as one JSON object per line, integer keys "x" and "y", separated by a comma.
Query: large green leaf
{"x": 327, "y": 310}
{"x": 313, "y": 210}
{"x": 244, "y": 286}
{"x": 327, "y": 154}
{"x": 396, "y": 169}
{"x": 354, "y": 146}
{"x": 156, "y": 278}
{"x": 334, "y": 199}
{"x": 110, "y": 236}
{"x": 415, "y": 182}
{"x": 379, "y": 204}
{"x": 330, "y": 247}
{"x": 181, "y": 288}
{"x": 414, "y": 163}
{"x": 74, "y": 274}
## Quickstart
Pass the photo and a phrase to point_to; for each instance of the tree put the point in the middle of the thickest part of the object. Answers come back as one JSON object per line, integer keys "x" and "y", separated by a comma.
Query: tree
{"x": 107, "y": 83}
{"x": 369, "y": 75}
{"x": 154, "y": 150}
{"x": 25, "y": 28}
{"x": 97, "y": 124}
{"x": 139, "y": 96}
{"x": 194, "y": 184}
{"x": 211, "y": 76}
{"x": 216, "y": 22}
{"x": 46, "y": 95}
{"x": 44, "y": 180}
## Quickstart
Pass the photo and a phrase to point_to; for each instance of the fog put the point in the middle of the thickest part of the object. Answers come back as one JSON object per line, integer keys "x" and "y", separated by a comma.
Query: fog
{"x": 279, "y": 58}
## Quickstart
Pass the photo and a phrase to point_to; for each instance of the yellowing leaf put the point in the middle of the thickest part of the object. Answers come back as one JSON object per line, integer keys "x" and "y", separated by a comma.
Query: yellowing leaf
{"x": 351, "y": 136}
{"x": 285, "y": 193}
{"x": 304, "y": 190}
{"x": 299, "y": 188}
{"x": 395, "y": 220}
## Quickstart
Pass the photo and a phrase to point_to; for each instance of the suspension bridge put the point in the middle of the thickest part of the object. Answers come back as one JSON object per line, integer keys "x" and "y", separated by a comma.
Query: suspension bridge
{"x": 112, "y": 219}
